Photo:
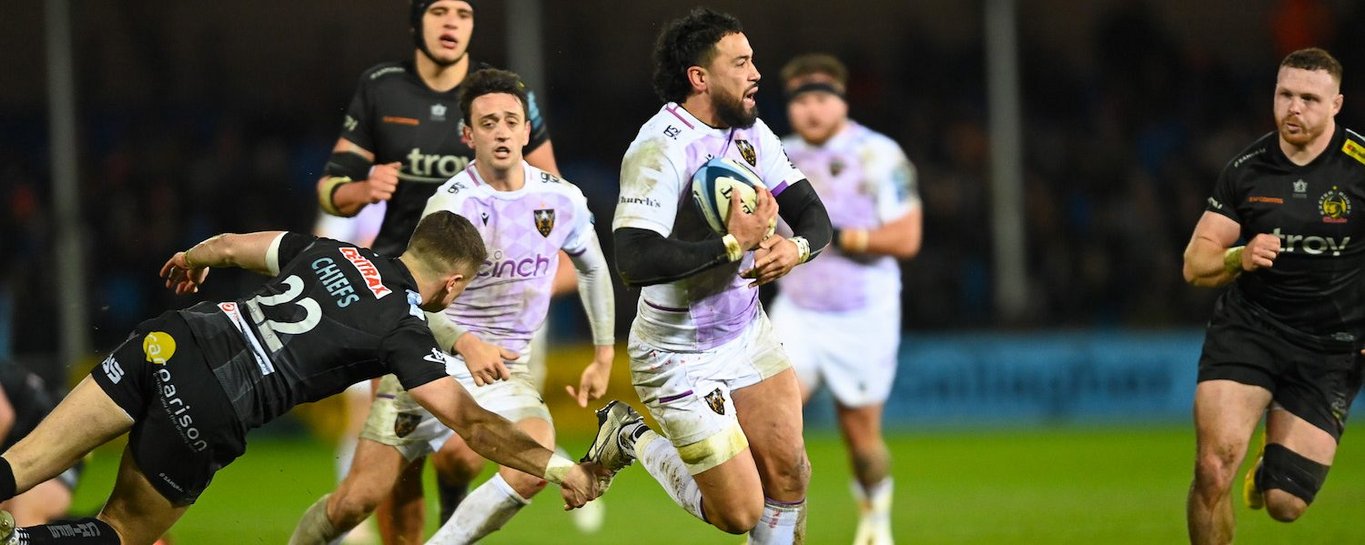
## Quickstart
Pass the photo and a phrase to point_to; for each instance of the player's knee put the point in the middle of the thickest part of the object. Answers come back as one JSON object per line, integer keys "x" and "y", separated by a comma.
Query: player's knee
{"x": 457, "y": 467}
{"x": 738, "y": 519}
{"x": 789, "y": 476}
{"x": 1289, "y": 481}
{"x": 1215, "y": 470}
{"x": 1283, "y": 506}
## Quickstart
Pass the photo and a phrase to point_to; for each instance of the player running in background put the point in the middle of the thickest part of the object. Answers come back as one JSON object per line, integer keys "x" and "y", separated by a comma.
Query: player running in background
{"x": 525, "y": 216}
{"x": 839, "y": 317}
{"x": 190, "y": 384}
{"x": 1285, "y": 338}
{"x": 401, "y": 139}
{"x": 24, "y": 401}
{"x": 704, "y": 358}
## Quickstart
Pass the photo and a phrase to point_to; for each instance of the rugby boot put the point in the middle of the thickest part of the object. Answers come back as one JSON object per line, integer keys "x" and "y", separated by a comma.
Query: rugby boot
{"x": 8, "y": 535}
{"x": 611, "y": 448}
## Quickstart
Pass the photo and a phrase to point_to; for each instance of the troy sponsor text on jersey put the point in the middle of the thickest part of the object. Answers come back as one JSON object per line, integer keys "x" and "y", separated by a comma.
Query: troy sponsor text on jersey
{"x": 1311, "y": 245}
{"x": 445, "y": 166}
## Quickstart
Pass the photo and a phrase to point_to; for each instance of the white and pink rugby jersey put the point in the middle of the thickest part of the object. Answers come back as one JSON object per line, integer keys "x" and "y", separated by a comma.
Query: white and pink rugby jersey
{"x": 707, "y": 309}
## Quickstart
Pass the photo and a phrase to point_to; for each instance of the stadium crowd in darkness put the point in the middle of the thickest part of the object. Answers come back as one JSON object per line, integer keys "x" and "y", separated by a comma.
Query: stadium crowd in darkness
{"x": 1119, "y": 160}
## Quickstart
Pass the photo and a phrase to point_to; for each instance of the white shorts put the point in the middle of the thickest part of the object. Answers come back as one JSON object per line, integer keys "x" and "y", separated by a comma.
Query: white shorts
{"x": 854, "y": 353}
{"x": 689, "y": 393}
{"x": 397, "y": 420}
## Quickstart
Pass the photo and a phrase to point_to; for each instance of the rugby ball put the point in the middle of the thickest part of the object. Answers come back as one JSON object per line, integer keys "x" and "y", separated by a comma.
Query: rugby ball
{"x": 715, "y": 181}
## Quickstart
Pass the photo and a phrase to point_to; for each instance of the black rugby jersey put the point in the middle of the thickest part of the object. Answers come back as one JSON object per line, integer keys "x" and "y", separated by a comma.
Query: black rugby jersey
{"x": 334, "y": 315}
{"x": 398, "y": 118}
{"x": 1316, "y": 211}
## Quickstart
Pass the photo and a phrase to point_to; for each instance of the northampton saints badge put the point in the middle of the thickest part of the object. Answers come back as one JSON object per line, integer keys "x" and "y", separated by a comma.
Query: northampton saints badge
{"x": 545, "y": 221}
{"x": 746, "y": 150}
{"x": 405, "y": 423}
{"x": 716, "y": 401}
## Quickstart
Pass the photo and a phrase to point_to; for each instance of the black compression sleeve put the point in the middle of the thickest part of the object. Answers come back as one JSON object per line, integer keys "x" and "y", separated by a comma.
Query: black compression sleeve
{"x": 801, "y": 208}
{"x": 350, "y": 165}
{"x": 645, "y": 258}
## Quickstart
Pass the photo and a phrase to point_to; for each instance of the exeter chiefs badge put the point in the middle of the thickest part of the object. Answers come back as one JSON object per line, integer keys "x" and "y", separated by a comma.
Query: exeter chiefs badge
{"x": 1335, "y": 206}
{"x": 545, "y": 221}
{"x": 716, "y": 401}
{"x": 405, "y": 423}
{"x": 746, "y": 150}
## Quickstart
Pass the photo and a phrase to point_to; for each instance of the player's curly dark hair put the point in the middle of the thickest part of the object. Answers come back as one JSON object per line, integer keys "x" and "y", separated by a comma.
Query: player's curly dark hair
{"x": 487, "y": 81}
{"x": 1314, "y": 59}
{"x": 686, "y": 42}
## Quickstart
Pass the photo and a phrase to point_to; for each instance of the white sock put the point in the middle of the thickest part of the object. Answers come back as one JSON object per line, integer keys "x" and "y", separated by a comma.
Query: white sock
{"x": 314, "y": 527}
{"x": 874, "y": 502}
{"x": 874, "y": 511}
{"x": 782, "y": 523}
{"x": 483, "y": 512}
{"x": 662, "y": 462}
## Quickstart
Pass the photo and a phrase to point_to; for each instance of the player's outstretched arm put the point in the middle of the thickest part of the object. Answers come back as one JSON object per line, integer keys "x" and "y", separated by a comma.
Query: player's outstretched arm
{"x": 599, "y": 300}
{"x": 186, "y": 270}
{"x": 497, "y": 439}
{"x": 1211, "y": 260}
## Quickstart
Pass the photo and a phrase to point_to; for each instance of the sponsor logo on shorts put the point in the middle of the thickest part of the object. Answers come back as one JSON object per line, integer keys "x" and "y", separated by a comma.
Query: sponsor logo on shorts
{"x": 112, "y": 369}
{"x": 179, "y": 411}
{"x": 167, "y": 479}
{"x": 405, "y": 423}
{"x": 373, "y": 280}
{"x": 716, "y": 401}
{"x": 159, "y": 347}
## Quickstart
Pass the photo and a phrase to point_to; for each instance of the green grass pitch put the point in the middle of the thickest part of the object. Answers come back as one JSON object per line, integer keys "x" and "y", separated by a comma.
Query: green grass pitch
{"x": 1109, "y": 485}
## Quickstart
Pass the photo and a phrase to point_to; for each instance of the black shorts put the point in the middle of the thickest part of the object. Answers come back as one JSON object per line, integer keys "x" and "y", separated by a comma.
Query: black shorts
{"x": 1316, "y": 381}
{"x": 184, "y": 427}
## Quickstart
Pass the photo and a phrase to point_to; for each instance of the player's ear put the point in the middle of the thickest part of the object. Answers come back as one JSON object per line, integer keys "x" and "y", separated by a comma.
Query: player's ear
{"x": 466, "y": 134}
{"x": 696, "y": 75}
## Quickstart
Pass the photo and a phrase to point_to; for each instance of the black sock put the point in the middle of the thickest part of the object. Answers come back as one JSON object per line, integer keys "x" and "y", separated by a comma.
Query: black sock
{"x": 7, "y": 486}
{"x": 451, "y": 496}
{"x": 86, "y": 531}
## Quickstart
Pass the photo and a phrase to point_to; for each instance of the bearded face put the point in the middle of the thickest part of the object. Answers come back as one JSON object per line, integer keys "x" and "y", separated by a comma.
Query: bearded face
{"x": 736, "y": 110}
{"x": 1305, "y": 103}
